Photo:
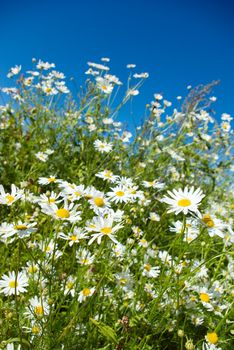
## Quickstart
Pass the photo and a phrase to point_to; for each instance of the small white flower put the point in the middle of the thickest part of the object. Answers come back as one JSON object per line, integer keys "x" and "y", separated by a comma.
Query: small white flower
{"x": 12, "y": 284}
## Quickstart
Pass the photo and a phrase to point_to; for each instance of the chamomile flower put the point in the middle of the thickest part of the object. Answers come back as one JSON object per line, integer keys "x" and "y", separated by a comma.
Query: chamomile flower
{"x": 38, "y": 307}
{"x": 104, "y": 85}
{"x": 67, "y": 212}
{"x": 214, "y": 226}
{"x": 84, "y": 257}
{"x": 43, "y": 157}
{"x": 98, "y": 200}
{"x": 70, "y": 286}
{"x": 119, "y": 194}
{"x": 6, "y": 231}
{"x": 24, "y": 229}
{"x": 10, "y": 198}
{"x": 85, "y": 293}
{"x": 51, "y": 198}
{"x": 107, "y": 175}
{"x": 154, "y": 184}
{"x": 74, "y": 237}
{"x": 104, "y": 227}
{"x": 150, "y": 271}
{"x": 72, "y": 191}
{"x": 12, "y": 284}
{"x": 103, "y": 146}
{"x": 184, "y": 201}
{"x": 48, "y": 180}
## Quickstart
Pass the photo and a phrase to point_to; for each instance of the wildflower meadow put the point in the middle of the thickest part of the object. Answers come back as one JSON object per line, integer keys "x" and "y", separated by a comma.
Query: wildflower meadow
{"x": 113, "y": 238}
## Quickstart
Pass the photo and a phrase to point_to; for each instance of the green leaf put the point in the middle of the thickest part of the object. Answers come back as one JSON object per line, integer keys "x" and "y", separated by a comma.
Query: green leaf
{"x": 105, "y": 330}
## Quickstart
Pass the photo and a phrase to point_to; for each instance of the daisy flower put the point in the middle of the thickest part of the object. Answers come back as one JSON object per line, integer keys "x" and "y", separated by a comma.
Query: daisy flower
{"x": 214, "y": 226}
{"x": 85, "y": 293}
{"x": 98, "y": 200}
{"x": 119, "y": 194}
{"x": 10, "y": 198}
{"x": 12, "y": 284}
{"x": 153, "y": 184}
{"x": 107, "y": 175}
{"x": 68, "y": 212}
{"x": 52, "y": 198}
{"x": 185, "y": 201}
{"x": 70, "y": 286}
{"x": 74, "y": 237}
{"x": 38, "y": 307}
{"x": 47, "y": 180}
{"x": 6, "y": 231}
{"x": 72, "y": 191}
{"x": 84, "y": 257}
{"x": 150, "y": 271}
{"x": 102, "y": 146}
{"x": 98, "y": 66}
{"x": 23, "y": 229}
{"x": 103, "y": 226}
{"x": 104, "y": 85}
{"x": 43, "y": 157}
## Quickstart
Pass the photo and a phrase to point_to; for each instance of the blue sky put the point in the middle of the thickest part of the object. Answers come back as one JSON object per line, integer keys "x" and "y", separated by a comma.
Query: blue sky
{"x": 177, "y": 42}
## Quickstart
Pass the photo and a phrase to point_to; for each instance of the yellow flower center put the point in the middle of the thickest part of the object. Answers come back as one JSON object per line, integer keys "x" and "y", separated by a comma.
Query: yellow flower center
{"x": 38, "y": 310}
{"x": 51, "y": 179}
{"x": 212, "y": 338}
{"x": 32, "y": 269}
{"x": 13, "y": 284}
{"x": 104, "y": 87}
{"x": 184, "y": 202}
{"x": 63, "y": 213}
{"x": 86, "y": 292}
{"x": 9, "y": 198}
{"x": 108, "y": 174}
{"x": 123, "y": 281}
{"x": 204, "y": 297}
{"x": 208, "y": 221}
{"x": 73, "y": 238}
{"x": 35, "y": 329}
{"x": 99, "y": 202}
{"x": 20, "y": 227}
{"x": 147, "y": 267}
{"x": 70, "y": 285}
{"x": 85, "y": 261}
{"x": 51, "y": 200}
{"x": 77, "y": 194}
{"x": 119, "y": 193}
{"x": 106, "y": 230}
{"x": 48, "y": 89}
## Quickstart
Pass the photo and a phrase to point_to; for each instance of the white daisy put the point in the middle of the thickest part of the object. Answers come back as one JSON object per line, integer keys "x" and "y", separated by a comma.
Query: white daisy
{"x": 150, "y": 271}
{"x": 38, "y": 307}
{"x": 102, "y": 146}
{"x": 119, "y": 194}
{"x": 103, "y": 226}
{"x": 24, "y": 229}
{"x": 10, "y": 198}
{"x": 12, "y": 284}
{"x": 68, "y": 212}
{"x": 185, "y": 201}
{"x": 74, "y": 237}
{"x": 85, "y": 293}
{"x": 47, "y": 180}
{"x": 104, "y": 85}
{"x": 214, "y": 226}
{"x": 107, "y": 175}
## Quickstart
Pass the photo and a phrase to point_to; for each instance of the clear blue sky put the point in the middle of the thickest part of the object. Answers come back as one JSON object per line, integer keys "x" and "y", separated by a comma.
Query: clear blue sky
{"x": 177, "y": 42}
